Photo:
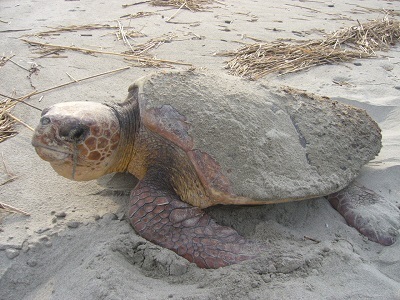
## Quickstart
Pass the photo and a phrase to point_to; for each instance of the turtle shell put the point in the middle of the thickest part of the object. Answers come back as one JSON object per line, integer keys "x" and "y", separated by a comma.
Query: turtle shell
{"x": 251, "y": 141}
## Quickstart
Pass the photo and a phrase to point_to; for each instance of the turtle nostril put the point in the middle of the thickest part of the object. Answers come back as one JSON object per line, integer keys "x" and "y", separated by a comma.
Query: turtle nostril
{"x": 45, "y": 121}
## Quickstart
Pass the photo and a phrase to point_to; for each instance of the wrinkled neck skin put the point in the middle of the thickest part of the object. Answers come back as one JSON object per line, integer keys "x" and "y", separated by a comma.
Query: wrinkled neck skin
{"x": 128, "y": 116}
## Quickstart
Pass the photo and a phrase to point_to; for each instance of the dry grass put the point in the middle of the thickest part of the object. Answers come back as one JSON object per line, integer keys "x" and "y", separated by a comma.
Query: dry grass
{"x": 6, "y": 122}
{"x": 89, "y": 27}
{"x": 257, "y": 60}
{"x": 360, "y": 41}
{"x": 13, "y": 209}
{"x": 143, "y": 59}
{"x": 5, "y": 59}
{"x": 193, "y": 5}
{"x": 72, "y": 28}
{"x": 137, "y": 53}
{"x": 140, "y": 14}
{"x": 141, "y": 49}
{"x": 368, "y": 37}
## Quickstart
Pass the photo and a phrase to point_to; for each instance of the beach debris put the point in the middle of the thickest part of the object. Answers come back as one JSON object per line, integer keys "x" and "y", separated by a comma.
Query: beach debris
{"x": 193, "y": 5}
{"x": 153, "y": 43}
{"x": 6, "y": 121}
{"x": 144, "y": 60}
{"x": 89, "y": 27}
{"x": 13, "y": 209}
{"x": 360, "y": 41}
{"x": 139, "y": 14}
{"x": 72, "y": 28}
{"x": 378, "y": 35}
{"x": 5, "y": 59}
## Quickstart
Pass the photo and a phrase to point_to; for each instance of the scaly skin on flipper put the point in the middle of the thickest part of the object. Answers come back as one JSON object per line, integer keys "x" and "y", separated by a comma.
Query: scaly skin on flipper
{"x": 366, "y": 211}
{"x": 158, "y": 215}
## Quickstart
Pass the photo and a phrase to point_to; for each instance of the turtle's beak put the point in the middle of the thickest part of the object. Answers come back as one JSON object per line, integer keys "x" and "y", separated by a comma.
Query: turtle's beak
{"x": 48, "y": 153}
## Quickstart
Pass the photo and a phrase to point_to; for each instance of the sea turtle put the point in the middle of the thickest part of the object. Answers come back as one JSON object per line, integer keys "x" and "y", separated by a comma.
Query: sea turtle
{"x": 194, "y": 140}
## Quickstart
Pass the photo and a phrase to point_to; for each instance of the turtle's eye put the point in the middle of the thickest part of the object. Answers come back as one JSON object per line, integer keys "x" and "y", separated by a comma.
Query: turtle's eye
{"x": 45, "y": 121}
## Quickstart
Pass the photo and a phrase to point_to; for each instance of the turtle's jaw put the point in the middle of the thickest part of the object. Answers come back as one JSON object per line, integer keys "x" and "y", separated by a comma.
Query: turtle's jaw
{"x": 50, "y": 154}
{"x": 64, "y": 162}
{"x": 60, "y": 159}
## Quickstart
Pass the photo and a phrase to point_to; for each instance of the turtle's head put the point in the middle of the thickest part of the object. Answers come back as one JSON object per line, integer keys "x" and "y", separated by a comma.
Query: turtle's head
{"x": 79, "y": 139}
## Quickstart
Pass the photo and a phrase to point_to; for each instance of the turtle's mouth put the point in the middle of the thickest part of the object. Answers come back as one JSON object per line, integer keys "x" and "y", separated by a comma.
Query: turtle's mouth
{"x": 63, "y": 160}
{"x": 49, "y": 153}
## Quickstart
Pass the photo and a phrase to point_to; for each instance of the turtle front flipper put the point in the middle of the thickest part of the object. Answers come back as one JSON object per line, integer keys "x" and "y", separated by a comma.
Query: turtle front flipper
{"x": 158, "y": 215}
{"x": 366, "y": 211}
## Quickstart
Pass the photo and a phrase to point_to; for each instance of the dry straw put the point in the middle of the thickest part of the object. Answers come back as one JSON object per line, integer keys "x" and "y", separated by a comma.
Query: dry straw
{"x": 140, "y": 49}
{"x": 369, "y": 37}
{"x": 143, "y": 59}
{"x": 137, "y": 54}
{"x": 89, "y": 27}
{"x": 361, "y": 41}
{"x": 6, "y": 121}
{"x": 193, "y": 5}
{"x": 73, "y": 28}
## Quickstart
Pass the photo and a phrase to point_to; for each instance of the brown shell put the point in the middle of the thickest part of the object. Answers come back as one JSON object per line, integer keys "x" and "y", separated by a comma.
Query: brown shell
{"x": 250, "y": 143}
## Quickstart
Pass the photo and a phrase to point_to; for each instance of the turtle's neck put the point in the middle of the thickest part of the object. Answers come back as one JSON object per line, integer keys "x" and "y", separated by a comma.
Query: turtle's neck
{"x": 128, "y": 115}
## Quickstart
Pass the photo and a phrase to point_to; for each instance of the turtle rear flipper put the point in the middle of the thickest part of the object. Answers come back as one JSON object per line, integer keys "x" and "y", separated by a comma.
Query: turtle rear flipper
{"x": 158, "y": 215}
{"x": 368, "y": 212}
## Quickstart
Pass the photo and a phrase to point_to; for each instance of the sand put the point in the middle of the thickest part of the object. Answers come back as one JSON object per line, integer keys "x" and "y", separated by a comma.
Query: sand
{"x": 76, "y": 244}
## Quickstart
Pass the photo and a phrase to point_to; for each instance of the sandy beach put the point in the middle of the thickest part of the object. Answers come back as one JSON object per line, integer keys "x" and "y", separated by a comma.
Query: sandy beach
{"x": 76, "y": 243}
